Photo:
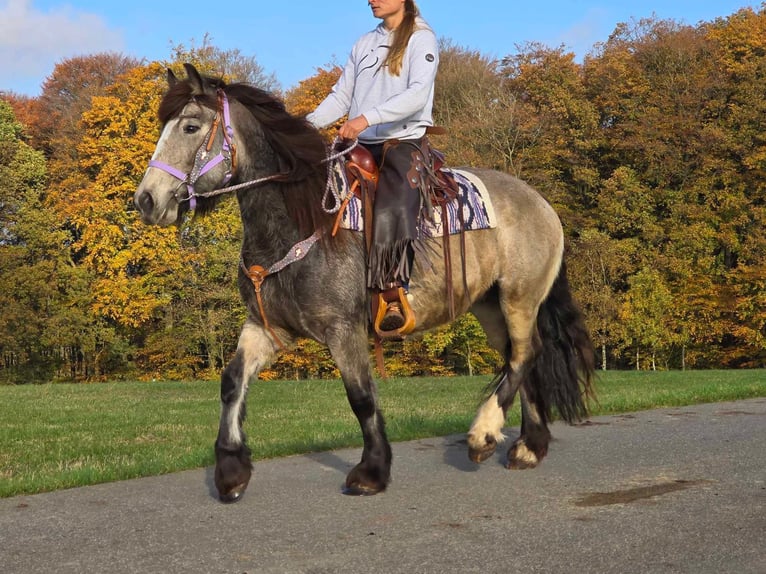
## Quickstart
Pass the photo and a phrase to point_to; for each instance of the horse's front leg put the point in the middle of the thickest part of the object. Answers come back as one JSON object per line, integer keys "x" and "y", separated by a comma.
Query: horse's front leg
{"x": 349, "y": 348}
{"x": 233, "y": 465}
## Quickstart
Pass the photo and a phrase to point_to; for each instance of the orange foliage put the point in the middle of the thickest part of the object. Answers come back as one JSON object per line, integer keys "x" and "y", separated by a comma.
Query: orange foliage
{"x": 22, "y": 106}
{"x": 309, "y": 93}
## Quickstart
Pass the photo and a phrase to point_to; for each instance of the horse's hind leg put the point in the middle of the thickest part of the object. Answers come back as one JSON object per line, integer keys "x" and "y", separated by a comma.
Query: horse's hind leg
{"x": 532, "y": 445}
{"x": 349, "y": 348}
{"x": 559, "y": 374}
{"x": 486, "y": 431}
{"x": 517, "y": 328}
{"x": 233, "y": 465}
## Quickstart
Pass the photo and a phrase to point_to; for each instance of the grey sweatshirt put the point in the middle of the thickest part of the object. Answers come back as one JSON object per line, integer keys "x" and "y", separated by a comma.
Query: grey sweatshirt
{"x": 394, "y": 106}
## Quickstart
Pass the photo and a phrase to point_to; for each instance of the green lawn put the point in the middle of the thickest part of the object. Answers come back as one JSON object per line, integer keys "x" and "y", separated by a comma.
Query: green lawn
{"x": 60, "y": 436}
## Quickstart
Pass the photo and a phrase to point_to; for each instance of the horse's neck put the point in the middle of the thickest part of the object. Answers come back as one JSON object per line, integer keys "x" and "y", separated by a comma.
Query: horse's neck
{"x": 268, "y": 231}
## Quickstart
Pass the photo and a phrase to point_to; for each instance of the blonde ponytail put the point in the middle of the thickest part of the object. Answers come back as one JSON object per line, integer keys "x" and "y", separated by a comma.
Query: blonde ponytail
{"x": 402, "y": 36}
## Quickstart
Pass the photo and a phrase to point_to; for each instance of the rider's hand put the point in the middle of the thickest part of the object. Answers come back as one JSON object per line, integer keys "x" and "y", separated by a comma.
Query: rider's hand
{"x": 352, "y": 128}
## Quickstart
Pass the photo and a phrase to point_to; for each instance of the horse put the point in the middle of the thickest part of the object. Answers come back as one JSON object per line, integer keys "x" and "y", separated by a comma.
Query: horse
{"x": 297, "y": 280}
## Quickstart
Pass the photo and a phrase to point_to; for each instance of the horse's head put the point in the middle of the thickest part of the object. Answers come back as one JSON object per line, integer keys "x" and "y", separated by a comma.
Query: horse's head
{"x": 195, "y": 153}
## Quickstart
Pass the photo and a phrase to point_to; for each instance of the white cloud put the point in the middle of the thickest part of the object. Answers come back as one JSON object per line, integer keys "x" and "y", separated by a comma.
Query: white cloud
{"x": 33, "y": 41}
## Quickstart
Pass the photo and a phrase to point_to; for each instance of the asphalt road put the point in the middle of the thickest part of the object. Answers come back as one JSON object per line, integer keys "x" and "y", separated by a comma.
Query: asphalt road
{"x": 669, "y": 490}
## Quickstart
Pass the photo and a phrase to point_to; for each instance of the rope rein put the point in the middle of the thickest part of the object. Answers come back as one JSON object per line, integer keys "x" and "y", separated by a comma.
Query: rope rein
{"x": 337, "y": 186}
{"x": 332, "y": 188}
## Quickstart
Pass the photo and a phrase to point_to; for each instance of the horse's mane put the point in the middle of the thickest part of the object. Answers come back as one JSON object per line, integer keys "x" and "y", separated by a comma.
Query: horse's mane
{"x": 299, "y": 146}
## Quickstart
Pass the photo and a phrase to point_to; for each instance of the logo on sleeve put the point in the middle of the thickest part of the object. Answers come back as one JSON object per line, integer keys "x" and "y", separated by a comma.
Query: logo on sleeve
{"x": 430, "y": 57}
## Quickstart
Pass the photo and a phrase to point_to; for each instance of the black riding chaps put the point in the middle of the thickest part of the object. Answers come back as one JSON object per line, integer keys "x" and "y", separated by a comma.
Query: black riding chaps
{"x": 398, "y": 203}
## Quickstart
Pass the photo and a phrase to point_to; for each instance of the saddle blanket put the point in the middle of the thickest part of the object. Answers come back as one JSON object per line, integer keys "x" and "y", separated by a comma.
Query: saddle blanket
{"x": 473, "y": 200}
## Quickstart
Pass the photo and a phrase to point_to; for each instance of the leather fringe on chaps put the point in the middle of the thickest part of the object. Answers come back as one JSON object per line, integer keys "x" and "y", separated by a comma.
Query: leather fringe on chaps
{"x": 398, "y": 204}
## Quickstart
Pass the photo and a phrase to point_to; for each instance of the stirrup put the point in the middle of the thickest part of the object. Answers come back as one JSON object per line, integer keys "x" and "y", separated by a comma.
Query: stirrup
{"x": 394, "y": 318}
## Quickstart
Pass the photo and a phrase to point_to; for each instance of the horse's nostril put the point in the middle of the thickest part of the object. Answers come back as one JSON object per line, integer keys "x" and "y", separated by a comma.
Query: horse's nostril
{"x": 144, "y": 202}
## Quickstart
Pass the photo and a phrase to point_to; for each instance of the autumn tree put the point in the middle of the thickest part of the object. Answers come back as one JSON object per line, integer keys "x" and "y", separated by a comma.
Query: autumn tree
{"x": 23, "y": 110}
{"x": 736, "y": 176}
{"x": 478, "y": 112}
{"x": 91, "y": 340}
{"x": 667, "y": 99}
{"x": 306, "y": 360}
{"x": 462, "y": 347}
{"x": 230, "y": 65}
{"x": 39, "y": 289}
{"x": 558, "y": 135}
{"x": 151, "y": 283}
{"x": 646, "y": 315}
{"x": 66, "y": 94}
{"x": 599, "y": 267}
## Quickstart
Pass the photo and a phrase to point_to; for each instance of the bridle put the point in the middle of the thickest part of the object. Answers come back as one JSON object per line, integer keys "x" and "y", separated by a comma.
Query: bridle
{"x": 228, "y": 154}
{"x": 202, "y": 162}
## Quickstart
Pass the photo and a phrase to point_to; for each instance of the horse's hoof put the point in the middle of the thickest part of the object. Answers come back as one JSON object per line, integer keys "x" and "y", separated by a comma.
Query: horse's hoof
{"x": 360, "y": 490}
{"x": 232, "y": 496}
{"x": 520, "y": 457}
{"x": 364, "y": 480}
{"x": 515, "y": 464}
{"x": 233, "y": 469}
{"x": 482, "y": 453}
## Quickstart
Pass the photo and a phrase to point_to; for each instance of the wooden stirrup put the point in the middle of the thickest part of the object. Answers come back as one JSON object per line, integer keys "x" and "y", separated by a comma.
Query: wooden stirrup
{"x": 383, "y": 299}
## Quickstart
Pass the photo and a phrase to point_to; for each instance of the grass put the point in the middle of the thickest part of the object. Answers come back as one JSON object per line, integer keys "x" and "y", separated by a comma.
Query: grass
{"x": 61, "y": 436}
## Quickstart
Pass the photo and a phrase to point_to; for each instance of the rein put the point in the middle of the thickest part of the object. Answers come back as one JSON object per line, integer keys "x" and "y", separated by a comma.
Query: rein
{"x": 228, "y": 154}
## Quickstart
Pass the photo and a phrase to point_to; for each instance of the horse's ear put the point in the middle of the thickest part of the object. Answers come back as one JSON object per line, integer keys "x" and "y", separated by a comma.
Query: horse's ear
{"x": 172, "y": 80}
{"x": 195, "y": 80}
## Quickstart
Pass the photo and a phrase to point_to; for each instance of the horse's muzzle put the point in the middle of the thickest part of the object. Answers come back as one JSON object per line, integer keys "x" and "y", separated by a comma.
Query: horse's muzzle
{"x": 144, "y": 202}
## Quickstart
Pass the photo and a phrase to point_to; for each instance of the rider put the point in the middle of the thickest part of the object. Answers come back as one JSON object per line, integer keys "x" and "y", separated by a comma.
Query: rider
{"x": 387, "y": 90}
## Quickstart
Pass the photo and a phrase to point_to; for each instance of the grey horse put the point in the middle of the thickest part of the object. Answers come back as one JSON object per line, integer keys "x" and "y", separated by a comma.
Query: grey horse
{"x": 299, "y": 281}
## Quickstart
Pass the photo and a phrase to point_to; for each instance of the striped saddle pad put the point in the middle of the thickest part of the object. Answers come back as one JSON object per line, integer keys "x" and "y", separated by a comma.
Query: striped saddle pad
{"x": 470, "y": 210}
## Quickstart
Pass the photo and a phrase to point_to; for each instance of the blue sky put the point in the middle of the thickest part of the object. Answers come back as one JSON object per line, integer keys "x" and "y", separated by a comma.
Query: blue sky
{"x": 292, "y": 38}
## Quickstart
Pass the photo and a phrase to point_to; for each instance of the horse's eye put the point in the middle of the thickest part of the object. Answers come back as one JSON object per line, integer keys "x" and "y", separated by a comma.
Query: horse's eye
{"x": 191, "y": 129}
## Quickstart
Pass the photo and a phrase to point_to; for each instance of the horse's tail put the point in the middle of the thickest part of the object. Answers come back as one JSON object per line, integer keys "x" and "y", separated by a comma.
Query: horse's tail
{"x": 562, "y": 371}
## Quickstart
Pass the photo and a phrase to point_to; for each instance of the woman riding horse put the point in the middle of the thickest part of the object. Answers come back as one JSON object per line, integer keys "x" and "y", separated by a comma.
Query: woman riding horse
{"x": 387, "y": 91}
